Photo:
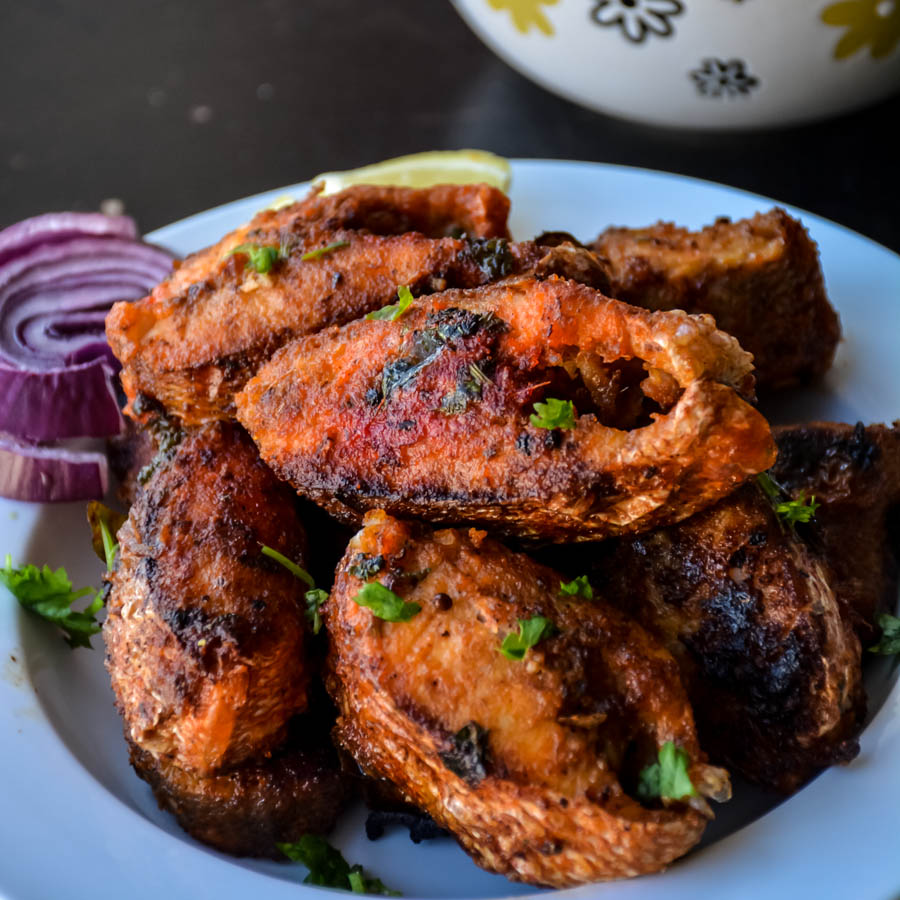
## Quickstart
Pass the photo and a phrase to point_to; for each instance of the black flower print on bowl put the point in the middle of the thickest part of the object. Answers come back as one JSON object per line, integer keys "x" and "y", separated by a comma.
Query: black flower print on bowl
{"x": 723, "y": 78}
{"x": 637, "y": 19}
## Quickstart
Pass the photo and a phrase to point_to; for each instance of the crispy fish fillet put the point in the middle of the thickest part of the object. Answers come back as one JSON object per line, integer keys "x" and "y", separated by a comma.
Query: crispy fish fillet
{"x": 201, "y": 333}
{"x": 204, "y": 636}
{"x": 532, "y": 763}
{"x": 759, "y": 278}
{"x": 429, "y": 415}
{"x": 854, "y": 472}
{"x": 298, "y": 790}
{"x": 771, "y": 665}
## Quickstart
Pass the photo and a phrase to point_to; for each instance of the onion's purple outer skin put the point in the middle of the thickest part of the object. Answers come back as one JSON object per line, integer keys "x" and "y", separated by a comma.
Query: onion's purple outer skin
{"x": 71, "y": 401}
{"x": 50, "y": 474}
{"x": 53, "y": 227}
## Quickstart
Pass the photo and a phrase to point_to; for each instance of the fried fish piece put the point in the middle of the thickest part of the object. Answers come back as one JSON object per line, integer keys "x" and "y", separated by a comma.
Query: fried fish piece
{"x": 204, "y": 635}
{"x": 194, "y": 341}
{"x": 771, "y": 666}
{"x": 429, "y": 415}
{"x": 532, "y": 763}
{"x": 247, "y": 811}
{"x": 854, "y": 473}
{"x": 759, "y": 278}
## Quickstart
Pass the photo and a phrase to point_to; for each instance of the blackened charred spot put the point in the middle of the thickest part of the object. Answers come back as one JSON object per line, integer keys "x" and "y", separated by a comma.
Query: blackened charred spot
{"x": 802, "y": 452}
{"x": 148, "y": 568}
{"x": 365, "y": 567}
{"x": 552, "y": 439}
{"x": 491, "y": 255}
{"x": 467, "y": 756}
{"x": 755, "y": 661}
{"x": 144, "y": 405}
{"x": 758, "y": 537}
{"x": 442, "y": 328}
{"x": 738, "y": 558}
{"x": 406, "y": 425}
{"x": 373, "y": 396}
{"x": 336, "y": 278}
{"x": 421, "y": 826}
{"x": 523, "y": 443}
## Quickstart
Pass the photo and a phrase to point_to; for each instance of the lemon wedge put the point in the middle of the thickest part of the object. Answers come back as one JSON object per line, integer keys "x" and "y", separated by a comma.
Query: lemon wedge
{"x": 424, "y": 169}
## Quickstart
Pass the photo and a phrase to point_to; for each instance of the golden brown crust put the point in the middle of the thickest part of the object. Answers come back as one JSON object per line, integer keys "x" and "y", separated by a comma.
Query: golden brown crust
{"x": 854, "y": 472}
{"x": 541, "y": 797}
{"x": 772, "y": 667}
{"x": 759, "y": 278}
{"x": 367, "y": 415}
{"x": 205, "y": 636}
{"x": 201, "y": 333}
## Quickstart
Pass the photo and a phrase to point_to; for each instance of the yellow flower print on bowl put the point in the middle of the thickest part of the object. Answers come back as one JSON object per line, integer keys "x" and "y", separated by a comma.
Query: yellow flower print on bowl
{"x": 526, "y": 13}
{"x": 870, "y": 23}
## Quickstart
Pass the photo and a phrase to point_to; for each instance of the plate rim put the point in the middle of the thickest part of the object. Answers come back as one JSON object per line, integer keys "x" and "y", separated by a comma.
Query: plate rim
{"x": 240, "y": 878}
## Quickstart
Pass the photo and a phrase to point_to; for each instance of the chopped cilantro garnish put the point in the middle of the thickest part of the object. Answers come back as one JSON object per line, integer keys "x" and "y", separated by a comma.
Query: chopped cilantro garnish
{"x": 292, "y": 567}
{"x": 787, "y": 509}
{"x": 578, "y": 587}
{"x": 314, "y": 600}
{"x": 328, "y": 868}
{"x": 104, "y": 523}
{"x": 49, "y": 594}
{"x": 553, "y": 414}
{"x": 385, "y": 603}
{"x": 890, "y": 636}
{"x": 668, "y": 778}
{"x": 323, "y": 251}
{"x": 531, "y": 631}
{"x": 260, "y": 258}
{"x": 314, "y": 597}
{"x": 799, "y": 510}
{"x": 395, "y": 310}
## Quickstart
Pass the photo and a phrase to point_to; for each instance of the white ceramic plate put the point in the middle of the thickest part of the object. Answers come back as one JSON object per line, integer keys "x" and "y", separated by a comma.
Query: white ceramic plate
{"x": 76, "y": 823}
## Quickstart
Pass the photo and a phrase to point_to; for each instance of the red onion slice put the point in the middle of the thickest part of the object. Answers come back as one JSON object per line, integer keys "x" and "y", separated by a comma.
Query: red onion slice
{"x": 59, "y": 274}
{"x": 50, "y": 474}
{"x": 52, "y": 227}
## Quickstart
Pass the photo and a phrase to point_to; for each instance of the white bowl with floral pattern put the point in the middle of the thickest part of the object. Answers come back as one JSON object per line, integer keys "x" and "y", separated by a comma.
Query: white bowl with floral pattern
{"x": 700, "y": 63}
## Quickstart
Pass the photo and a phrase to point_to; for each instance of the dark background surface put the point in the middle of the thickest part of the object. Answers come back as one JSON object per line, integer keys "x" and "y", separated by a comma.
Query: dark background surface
{"x": 174, "y": 107}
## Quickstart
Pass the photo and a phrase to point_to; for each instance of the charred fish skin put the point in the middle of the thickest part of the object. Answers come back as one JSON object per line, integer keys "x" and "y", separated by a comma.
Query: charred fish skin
{"x": 853, "y": 471}
{"x": 298, "y": 789}
{"x": 771, "y": 664}
{"x": 531, "y": 763}
{"x": 205, "y": 636}
{"x": 200, "y": 334}
{"x": 433, "y": 415}
{"x": 760, "y": 278}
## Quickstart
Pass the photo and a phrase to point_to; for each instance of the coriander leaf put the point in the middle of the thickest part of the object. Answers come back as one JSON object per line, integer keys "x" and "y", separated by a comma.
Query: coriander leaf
{"x": 323, "y": 251}
{"x": 292, "y": 567}
{"x": 104, "y": 522}
{"x": 395, "y": 310}
{"x": 467, "y": 756}
{"x": 668, "y": 778}
{"x": 261, "y": 258}
{"x": 770, "y": 488}
{"x": 786, "y": 508}
{"x": 553, "y": 414}
{"x": 328, "y": 868}
{"x": 890, "y": 636}
{"x": 314, "y": 599}
{"x": 49, "y": 594}
{"x": 385, "y": 603}
{"x": 531, "y": 631}
{"x": 799, "y": 510}
{"x": 578, "y": 587}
